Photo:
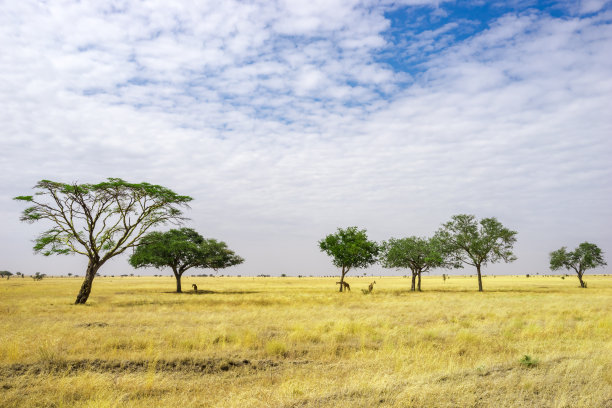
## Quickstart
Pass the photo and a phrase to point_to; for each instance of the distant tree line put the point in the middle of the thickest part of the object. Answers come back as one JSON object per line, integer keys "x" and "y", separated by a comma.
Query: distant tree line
{"x": 461, "y": 241}
{"x": 8, "y": 274}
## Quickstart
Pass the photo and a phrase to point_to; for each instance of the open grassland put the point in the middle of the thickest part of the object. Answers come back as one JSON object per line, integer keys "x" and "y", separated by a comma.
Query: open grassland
{"x": 289, "y": 342}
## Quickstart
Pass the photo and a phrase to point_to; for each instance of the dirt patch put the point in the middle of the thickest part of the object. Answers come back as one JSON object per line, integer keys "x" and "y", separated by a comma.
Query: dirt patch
{"x": 202, "y": 366}
{"x": 502, "y": 370}
{"x": 354, "y": 398}
{"x": 92, "y": 324}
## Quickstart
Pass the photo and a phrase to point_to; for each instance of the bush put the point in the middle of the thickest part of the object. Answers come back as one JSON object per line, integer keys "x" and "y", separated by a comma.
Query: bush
{"x": 528, "y": 361}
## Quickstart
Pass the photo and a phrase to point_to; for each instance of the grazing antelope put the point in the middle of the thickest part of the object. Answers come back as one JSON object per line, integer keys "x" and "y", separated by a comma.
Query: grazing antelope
{"x": 345, "y": 285}
{"x": 195, "y": 288}
{"x": 371, "y": 287}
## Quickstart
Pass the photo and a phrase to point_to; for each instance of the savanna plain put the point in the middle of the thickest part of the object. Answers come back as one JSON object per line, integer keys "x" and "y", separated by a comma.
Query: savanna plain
{"x": 297, "y": 342}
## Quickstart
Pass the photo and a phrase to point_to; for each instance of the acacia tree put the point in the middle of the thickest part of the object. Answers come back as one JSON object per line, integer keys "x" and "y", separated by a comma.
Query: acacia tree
{"x": 474, "y": 243}
{"x": 39, "y": 276}
{"x": 99, "y": 221}
{"x": 414, "y": 253}
{"x": 182, "y": 249}
{"x": 586, "y": 256}
{"x": 349, "y": 248}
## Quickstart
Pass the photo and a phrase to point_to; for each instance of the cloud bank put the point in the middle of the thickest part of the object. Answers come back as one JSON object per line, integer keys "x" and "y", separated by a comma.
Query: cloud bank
{"x": 285, "y": 120}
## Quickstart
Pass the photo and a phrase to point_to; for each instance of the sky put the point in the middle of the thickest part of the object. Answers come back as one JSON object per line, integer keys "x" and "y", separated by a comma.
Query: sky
{"x": 285, "y": 120}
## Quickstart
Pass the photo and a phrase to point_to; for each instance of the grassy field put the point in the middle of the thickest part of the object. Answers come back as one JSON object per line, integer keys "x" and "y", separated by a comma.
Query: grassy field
{"x": 289, "y": 342}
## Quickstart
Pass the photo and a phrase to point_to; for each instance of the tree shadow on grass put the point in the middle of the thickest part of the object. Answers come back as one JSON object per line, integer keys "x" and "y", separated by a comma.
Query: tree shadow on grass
{"x": 534, "y": 290}
{"x": 214, "y": 292}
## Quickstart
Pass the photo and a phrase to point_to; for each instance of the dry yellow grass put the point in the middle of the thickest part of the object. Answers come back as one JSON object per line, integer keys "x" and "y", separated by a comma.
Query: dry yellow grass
{"x": 289, "y": 342}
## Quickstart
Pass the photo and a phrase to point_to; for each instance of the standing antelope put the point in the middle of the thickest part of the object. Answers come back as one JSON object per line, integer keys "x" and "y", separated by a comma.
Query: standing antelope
{"x": 345, "y": 285}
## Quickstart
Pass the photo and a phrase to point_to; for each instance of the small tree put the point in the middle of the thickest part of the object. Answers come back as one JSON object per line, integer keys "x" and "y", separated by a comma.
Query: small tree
{"x": 182, "y": 249}
{"x": 414, "y": 253}
{"x": 476, "y": 243}
{"x": 99, "y": 221}
{"x": 586, "y": 256}
{"x": 349, "y": 249}
{"x": 38, "y": 276}
{"x": 6, "y": 274}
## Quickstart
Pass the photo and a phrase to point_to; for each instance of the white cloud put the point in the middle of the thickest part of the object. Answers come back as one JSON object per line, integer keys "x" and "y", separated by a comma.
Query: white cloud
{"x": 592, "y": 6}
{"x": 279, "y": 119}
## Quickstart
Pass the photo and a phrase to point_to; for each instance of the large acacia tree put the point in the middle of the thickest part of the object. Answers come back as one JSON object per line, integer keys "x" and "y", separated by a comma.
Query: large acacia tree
{"x": 476, "y": 243}
{"x": 350, "y": 248}
{"x": 586, "y": 256}
{"x": 414, "y": 253}
{"x": 99, "y": 221}
{"x": 180, "y": 250}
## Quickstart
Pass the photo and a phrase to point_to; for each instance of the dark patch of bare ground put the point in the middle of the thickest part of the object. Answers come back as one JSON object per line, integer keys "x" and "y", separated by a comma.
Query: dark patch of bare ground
{"x": 501, "y": 370}
{"x": 92, "y": 324}
{"x": 200, "y": 366}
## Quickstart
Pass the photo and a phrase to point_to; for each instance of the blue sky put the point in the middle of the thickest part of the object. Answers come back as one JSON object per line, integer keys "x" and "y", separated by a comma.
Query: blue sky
{"x": 287, "y": 119}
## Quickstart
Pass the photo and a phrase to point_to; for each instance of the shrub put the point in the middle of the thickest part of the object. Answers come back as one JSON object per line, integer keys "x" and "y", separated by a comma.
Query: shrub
{"x": 528, "y": 361}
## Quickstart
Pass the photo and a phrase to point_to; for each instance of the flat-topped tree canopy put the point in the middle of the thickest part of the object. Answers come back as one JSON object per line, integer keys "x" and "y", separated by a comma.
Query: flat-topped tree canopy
{"x": 182, "y": 249}
{"x": 99, "y": 220}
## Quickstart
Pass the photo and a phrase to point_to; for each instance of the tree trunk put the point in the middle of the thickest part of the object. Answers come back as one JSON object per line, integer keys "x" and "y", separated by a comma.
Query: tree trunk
{"x": 582, "y": 284}
{"x": 479, "y": 278}
{"x": 177, "y": 275}
{"x": 92, "y": 269}
{"x": 413, "y": 286}
{"x": 419, "y": 284}
{"x": 342, "y": 279}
